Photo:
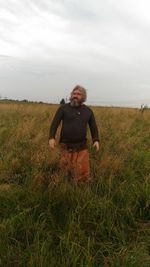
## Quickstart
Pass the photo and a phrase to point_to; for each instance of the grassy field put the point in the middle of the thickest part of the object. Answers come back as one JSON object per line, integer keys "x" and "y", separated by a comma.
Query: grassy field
{"x": 48, "y": 221}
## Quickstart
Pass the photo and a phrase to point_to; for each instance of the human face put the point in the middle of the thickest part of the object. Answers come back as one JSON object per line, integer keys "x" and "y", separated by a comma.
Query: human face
{"x": 77, "y": 96}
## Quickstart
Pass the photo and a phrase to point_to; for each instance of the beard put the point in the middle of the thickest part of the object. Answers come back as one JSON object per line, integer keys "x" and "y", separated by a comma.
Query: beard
{"x": 75, "y": 102}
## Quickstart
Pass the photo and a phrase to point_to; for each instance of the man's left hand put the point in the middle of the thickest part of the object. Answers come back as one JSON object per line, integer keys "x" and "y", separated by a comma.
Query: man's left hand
{"x": 96, "y": 145}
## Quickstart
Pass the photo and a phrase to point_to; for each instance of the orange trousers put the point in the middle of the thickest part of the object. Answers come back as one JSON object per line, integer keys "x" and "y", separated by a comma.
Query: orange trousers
{"x": 77, "y": 163}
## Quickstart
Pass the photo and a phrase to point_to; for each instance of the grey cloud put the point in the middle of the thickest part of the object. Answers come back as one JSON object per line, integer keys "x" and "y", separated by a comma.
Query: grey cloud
{"x": 109, "y": 47}
{"x": 7, "y": 39}
{"x": 18, "y": 8}
{"x": 16, "y": 66}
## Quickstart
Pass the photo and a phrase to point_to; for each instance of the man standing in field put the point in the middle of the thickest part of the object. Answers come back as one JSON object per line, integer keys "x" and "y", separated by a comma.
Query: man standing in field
{"x": 75, "y": 117}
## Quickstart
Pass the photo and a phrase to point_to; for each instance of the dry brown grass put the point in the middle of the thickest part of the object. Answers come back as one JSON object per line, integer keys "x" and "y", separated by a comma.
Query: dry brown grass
{"x": 49, "y": 220}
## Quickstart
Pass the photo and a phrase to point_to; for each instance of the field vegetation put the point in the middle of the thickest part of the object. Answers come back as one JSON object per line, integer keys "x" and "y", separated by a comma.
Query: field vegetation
{"x": 48, "y": 221}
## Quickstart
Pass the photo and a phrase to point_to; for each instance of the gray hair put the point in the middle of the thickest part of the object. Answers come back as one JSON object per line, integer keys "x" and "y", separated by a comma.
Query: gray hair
{"x": 82, "y": 90}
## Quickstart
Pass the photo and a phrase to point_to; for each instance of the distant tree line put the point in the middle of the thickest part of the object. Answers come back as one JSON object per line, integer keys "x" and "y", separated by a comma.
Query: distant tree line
{"x": 142, "y": 108}
{"x": 20, "y": 101}
{"x": 62, "y": 101}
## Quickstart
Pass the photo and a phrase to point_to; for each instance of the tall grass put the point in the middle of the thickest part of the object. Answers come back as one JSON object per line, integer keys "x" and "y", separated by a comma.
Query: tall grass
{"x": 48, "y": 221}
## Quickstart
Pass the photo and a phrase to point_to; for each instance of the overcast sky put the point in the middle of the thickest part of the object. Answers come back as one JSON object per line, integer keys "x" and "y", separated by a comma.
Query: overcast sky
{"x": 49, "y": 46}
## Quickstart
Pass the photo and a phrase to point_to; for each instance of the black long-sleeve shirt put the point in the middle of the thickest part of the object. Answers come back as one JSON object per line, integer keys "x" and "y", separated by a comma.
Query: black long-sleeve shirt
{"x": 74, "y": 125}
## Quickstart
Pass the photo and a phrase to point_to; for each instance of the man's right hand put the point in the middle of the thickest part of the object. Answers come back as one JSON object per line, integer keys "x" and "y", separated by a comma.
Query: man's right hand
{"x": 52, "y": 143}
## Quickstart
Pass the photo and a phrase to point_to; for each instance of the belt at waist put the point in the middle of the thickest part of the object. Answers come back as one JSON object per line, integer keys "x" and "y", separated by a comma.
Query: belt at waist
{"x": 73, "y": 146}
